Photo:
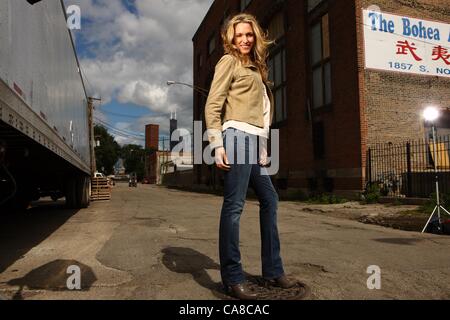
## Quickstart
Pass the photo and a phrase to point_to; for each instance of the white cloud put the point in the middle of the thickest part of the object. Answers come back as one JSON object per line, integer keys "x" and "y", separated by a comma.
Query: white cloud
{"x": 131, "y": 56}
{"x": 124, "y": 140}
{"x": 145, "y": 94}
{"x": 154, "y": 46}
{"x": 148, "y": 48}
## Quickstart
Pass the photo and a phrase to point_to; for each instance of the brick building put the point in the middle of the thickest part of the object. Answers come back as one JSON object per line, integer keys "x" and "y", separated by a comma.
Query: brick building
{"x": 329, "y": 107}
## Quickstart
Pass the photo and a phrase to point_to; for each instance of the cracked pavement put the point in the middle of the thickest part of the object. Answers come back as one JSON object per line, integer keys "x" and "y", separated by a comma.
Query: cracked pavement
{"x": 152, "y": 242}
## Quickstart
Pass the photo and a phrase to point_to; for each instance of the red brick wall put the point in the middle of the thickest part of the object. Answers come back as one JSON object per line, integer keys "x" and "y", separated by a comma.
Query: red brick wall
{"x": 152, "y": 136}
{"x": 368, "y": 106}
{"x": 343, "y": 161}
{"x": 390, "y": 103}
{"x": 394, "y": 102}
{"x": 151, "y": 142}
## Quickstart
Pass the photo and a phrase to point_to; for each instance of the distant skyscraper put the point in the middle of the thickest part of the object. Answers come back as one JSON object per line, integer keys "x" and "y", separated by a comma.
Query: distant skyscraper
{"x": 173, "y": 127}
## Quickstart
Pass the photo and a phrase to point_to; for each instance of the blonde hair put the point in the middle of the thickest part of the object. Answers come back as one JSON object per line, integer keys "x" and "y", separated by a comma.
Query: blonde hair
{"x": 259, "y": 52}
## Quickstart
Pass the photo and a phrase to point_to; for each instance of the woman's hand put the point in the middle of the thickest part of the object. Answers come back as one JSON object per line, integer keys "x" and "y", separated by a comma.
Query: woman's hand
{"x": 222, "y": 159}
{"x": 263, "y": 161}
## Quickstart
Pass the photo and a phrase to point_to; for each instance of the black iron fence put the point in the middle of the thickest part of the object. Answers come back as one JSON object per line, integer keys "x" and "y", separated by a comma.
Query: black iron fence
{"x": 408, "y": 169}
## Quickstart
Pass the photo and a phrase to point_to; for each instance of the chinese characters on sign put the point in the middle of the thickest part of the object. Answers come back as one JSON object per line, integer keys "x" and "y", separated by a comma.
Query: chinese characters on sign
{"x": 441, "y": 53}
{"x": 404, "y": 47}
{"x": 408, "y": 45}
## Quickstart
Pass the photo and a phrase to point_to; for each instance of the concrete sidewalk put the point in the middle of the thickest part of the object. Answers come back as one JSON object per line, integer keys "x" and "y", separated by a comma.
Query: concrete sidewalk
{"x": 156, "y": 243}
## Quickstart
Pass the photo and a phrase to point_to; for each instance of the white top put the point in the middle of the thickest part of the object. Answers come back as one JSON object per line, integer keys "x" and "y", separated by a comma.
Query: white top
{"x": 251, "y": 129}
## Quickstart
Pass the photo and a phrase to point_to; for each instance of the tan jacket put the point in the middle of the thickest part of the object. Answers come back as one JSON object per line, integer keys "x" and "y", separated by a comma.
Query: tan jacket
{"x": 236, "y": 94}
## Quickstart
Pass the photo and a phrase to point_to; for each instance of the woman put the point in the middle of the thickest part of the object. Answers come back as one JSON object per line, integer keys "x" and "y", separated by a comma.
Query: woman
{"x": 240, "y": 108}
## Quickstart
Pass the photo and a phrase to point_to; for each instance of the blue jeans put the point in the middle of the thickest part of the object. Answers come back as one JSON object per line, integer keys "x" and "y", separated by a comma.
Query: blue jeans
{"x": 236, "y": 183}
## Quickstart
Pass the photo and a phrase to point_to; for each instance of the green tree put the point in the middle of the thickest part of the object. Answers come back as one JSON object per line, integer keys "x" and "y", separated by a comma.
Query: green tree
{"x": 134, "y": 159}
{"x": 107, "y": 154}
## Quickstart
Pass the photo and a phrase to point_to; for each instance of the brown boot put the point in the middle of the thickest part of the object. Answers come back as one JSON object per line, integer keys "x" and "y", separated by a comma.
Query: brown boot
{"x": 284, "y": 282}
{"x": 241, "y": 292}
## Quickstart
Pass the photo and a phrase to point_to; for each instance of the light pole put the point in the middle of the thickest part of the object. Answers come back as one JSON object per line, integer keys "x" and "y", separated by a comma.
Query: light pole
{"x": 431, "y": 114}
{"x": 200, "y": 90}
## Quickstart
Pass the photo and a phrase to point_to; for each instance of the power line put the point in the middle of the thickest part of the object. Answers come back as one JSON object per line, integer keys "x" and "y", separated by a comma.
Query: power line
{"x": 123, "y": 135}
{"x": 120, "y": 115}
{"x": 131, "y": 116}
{"x": 123, "y": 130}
{"x": 120, "y": 132}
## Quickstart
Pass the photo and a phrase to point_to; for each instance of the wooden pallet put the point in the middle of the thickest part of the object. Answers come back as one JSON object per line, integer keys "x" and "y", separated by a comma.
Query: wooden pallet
{"x": 100, "y": 189}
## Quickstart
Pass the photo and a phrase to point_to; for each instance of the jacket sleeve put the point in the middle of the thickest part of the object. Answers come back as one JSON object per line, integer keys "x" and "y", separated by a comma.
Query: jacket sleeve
{"x": 218, "y": 93}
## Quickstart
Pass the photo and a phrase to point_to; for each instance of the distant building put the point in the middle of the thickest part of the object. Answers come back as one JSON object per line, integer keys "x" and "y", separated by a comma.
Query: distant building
{"x": 119, "y": 168}
{"x": 152, "y": 145}
{"x": 173, "y": 127}
{"x": 344, "y": 80}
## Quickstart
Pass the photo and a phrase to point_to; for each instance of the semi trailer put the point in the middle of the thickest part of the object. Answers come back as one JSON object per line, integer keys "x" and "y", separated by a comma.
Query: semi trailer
{"x": 46, "y": 131}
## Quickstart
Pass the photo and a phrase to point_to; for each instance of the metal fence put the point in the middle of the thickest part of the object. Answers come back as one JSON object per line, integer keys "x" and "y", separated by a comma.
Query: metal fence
{"x": 408, "y": 169}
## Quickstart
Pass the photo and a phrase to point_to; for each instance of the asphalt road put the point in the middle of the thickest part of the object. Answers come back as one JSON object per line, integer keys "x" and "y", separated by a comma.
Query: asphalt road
{"x": 156, "y": 243}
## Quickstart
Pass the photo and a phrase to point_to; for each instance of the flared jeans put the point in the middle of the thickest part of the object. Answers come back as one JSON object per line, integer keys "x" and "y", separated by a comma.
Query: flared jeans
{"x": 245, "y": 171}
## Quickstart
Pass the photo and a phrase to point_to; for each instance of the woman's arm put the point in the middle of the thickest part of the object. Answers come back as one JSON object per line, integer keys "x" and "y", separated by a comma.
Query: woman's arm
{"x": 218, "y": 93}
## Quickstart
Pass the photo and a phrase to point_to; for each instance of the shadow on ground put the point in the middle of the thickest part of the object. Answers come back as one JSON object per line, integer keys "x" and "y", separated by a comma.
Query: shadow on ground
{"x": 186, "y": 260}
{"x": 22, "y": 231}
{"x": 400, "y": 241}
{"x": 55, "y": 276}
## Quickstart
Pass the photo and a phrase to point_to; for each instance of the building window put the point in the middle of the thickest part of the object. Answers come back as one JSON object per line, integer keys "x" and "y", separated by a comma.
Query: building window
{"x": 277, "y": 67}
{"x": 212, "y": 44}
{"x": 312, "y": 4}
{"x": 442, "y": 126}
{"x": 276, "y": 26}
{"x": 319, "y": 140}
{"x": 320, "y": 63}
{"x": 244, "y": 4}
{"x": 442, "y": 153}
{"x": 225, "y": 18}
{"x": 226, "y": 15}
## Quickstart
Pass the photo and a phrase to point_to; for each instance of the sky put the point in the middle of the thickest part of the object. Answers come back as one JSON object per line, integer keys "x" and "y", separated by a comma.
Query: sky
{"x": 128, "y": 50}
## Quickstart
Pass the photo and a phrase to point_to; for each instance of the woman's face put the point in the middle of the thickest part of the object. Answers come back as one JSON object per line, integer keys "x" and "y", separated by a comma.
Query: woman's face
{"x": 244, "y": 38}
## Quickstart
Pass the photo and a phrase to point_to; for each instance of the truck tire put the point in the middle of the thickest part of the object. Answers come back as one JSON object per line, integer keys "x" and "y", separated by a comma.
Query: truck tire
{"x": 83, "y": 186}
{"x": 77, "y": 192}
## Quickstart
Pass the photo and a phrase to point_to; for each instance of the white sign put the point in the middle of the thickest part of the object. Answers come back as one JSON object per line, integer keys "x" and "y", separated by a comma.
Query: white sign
{"x": 408, "y": 45}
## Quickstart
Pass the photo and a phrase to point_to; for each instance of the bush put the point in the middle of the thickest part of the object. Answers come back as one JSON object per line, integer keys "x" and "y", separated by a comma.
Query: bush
{"x": 429, "y": 206}
{"x": 372, "y": 194}
{"x": 298, "y": 195}
{"x": 326, "y": 199}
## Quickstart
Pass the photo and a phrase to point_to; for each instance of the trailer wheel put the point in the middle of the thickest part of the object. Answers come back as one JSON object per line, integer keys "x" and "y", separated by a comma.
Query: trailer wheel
{"x": 83, "y": 186}
{"x": 77, "y": 192}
